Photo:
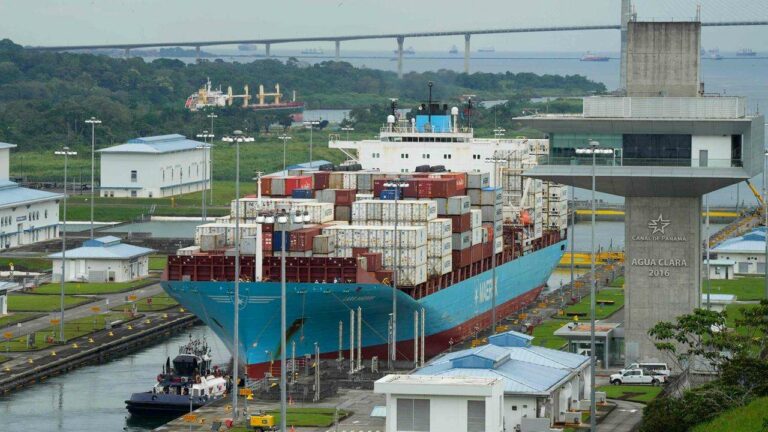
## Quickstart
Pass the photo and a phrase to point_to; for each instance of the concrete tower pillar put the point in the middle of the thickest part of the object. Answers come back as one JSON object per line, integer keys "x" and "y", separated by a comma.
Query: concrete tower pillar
{"x": 197, "y": 53}
{"x": 127, "y": 53}
{"x": 338, "y": 50}
{"x": 400, "y": 41}
{"x": 266, "y": 49}
{"x": 626, "y": 14}
{"x": 466, "y": 53}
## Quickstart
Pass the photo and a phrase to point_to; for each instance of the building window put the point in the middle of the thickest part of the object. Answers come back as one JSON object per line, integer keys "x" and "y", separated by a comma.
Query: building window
{"x": 446, "y": 156}
{"x": 476, "y": 416}
{"x": 134, "y": 176}
{"x": 133, "y": 194}
{"x": 403, "y": 155}
{"x": 162, "y": 171}
{"x": 413, "y": 415}
{"x": 425, "y": 156}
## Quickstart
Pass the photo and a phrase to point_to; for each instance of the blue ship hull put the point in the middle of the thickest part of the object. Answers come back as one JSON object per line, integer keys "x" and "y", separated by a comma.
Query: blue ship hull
{"x": 315, "y": 310}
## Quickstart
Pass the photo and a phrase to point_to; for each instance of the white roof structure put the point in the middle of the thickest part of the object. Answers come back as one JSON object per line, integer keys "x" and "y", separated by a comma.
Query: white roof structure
{"x": 155, "y": 145}
{"x": 525, "y": 369}
{"x": 106, "y": 248}
{"x": 752, "y": 242}
{"x": 11, "y": 194}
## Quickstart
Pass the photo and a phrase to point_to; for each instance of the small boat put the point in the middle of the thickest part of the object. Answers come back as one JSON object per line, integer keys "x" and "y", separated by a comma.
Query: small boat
{"x": 589, "y": 57}
{"x": 714, "y": 54}
{"x": 454, "y": 50}
{"x": 187, "y": 383}
{"x": 746, "y": 52}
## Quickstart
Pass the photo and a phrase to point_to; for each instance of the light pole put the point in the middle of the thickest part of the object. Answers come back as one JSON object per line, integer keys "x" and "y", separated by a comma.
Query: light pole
{"x": 706, "y": 239}
{"x": 765, "y": 222}
{"x": 311, "y": 125}
{"x": 93, "y": 121}
{"x": 210, "y": 181}
{"x": 572, "y": 234}
{"x": 495, "y": 161}
{"x": 205, "y": 135}
{"x": 398, "y": 185}
{"x": 285, "y": 139}
{"x": 282, "y": 221}
{"x": 66, "y": 153}
{"x": 593, "y": 150}
{"x": 237, "y": 138}
{"x": 347, "y": 129}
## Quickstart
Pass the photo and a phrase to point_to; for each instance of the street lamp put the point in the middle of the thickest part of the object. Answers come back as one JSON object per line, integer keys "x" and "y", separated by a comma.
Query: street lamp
{"x": 205, "y": 135}
{"x": 93, "y": 121}
{"x": 281, "y": 222}
{"x": 210, "y": 180}
{"x": 66, "y": 153}
{"x": 495, "y": 161}
{"x": 765, "y": 222}
{"x": 237, "y": 137}
{"x": 311, "y": 125}
{"x": 285, "y": 139}
{"x": 706, "y": 239}
{"x": 347, "y": 129}
{"x": 396, "y": 184}
{"x": 593, "y": 150}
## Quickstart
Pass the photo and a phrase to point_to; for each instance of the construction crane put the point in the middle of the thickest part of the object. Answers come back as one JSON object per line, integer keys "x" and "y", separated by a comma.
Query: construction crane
{"x": 756, "y": 193}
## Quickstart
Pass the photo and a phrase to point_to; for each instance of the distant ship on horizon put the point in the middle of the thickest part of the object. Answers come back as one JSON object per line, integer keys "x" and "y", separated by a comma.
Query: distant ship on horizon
{"x": 454, "y": 50}
{"x": 313, "y": 51}
{"x": 746, "y": 52}
{"x": 488, "y": 49}
{"x": 407, "y": 51}
{"x": 590, "y": 57}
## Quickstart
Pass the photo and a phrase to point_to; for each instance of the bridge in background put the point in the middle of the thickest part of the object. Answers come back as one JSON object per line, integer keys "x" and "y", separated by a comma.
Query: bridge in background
{"x": 399, "y": 37}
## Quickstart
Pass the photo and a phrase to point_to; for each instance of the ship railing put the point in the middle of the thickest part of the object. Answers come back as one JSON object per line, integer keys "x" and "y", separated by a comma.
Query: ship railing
{"x": 395, "y": 129}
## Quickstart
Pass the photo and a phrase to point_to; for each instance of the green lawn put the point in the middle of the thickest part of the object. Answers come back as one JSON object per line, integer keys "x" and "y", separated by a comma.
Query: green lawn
{"x": 159, "y": 302}
{"x": 15, "y": 317}
{"x": 633, "y": 393}
{"x": 735, "y": 312}
{"x": 750, "y": 418}
{"x": 72, "y": 329}
{"x": 746, "y": 288}
{"x": 88, "y": 288}
{"x": 41, "y": 303}
{"x": 618, "y": 282}
{"x": 543, "y": 334}
{"x": 602, "y": 311}
{"x": 26, "y": 264}
{"x": 304, "y": 417}
{"x": 157, "y": 262}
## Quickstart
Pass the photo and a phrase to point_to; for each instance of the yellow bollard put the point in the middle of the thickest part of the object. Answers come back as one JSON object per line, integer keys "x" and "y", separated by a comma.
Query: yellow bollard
{"x": 75, "y": 346}
{"x": 7, "y": 369}
{"x": 110, "y": 334}
{"x": 90, "y": 340}
{"x": 165, "y": 316}
{"x": 30, "y": 361}
{"x": 130, "y": 327}
{"x": 53, "y": 353}
{"x": 181, "y": 310}
{"x": 147, "y": 322}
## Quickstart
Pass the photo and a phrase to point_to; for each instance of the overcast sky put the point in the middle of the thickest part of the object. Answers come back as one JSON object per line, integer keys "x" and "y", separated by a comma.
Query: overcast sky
{"x": 65, "y": 22}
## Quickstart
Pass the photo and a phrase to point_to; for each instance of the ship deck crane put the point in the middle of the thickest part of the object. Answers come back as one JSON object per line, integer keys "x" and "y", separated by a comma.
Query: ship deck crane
{"x": 759, "y": 197}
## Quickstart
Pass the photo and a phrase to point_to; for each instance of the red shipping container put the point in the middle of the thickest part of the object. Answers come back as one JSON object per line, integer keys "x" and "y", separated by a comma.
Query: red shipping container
{"x": 373, "y": 260}
{"x": 461, "y": 178}
{"x": 436, "y": 188}
{"x": 356, "y": 252}
{"x": 266, "y": 241}
{"x": 487, "y": 249}
{"x": 460, "y": 223}
{"x": 385, "y": 276}
{"x": 267, "y": 228}
{"x": 266, "y": 185}
{"x": 301, "y": 240}
{"x": 321, "y": 180}
{"x": 412, "y": 190}
{"x": 345, "y": 197}
{"x": 489, "y": 227}
{"x": 297, "y": 182}
{"x": 477, "y": 252}
{"x": 462, "y": 258}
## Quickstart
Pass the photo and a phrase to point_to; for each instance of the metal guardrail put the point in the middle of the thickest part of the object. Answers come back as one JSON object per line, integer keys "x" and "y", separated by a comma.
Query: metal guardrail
{"x": 617, "y": 161}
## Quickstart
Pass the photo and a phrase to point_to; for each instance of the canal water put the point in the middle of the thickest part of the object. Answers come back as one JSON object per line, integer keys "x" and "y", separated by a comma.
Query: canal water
{"x": 90, "y": 399}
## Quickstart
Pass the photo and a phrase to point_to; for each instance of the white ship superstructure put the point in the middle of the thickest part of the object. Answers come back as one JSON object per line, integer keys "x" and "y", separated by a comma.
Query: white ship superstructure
{"x": 437, "y": 141}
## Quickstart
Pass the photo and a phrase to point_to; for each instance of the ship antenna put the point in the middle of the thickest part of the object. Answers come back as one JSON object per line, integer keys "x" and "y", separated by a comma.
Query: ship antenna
{"x": 429, "y": 108}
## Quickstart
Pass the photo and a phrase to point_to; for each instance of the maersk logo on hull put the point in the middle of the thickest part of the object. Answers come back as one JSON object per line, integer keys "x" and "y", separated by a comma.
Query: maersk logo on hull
{"x": 484, "y": 291}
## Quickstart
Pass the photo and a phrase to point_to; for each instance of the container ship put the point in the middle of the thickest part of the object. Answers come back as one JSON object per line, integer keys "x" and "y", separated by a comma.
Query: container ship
{"x": 209, "y": 97}
{"x": 353, "y": 244}
{"x": 746, "y": 52}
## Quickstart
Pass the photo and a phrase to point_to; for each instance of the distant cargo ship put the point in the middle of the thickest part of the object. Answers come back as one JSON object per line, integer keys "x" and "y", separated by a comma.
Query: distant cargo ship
{"x": 407, "y": 51}
{"x": 313, "y": 51}
{"x": 486, "y": 49}
{"x": 714, "y": 54}
{"x": 589, "y": 57}
{"x": 247, "y": 47}
{"x": 209, "y": 97}
{"x": 454, "y": 50}
{"x": 746, "y": 52}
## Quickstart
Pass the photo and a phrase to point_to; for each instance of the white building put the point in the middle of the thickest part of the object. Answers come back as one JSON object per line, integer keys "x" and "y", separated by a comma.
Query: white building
{"x": 436, "y": 403}
{"x": 153, "y": 167}
{"x": 104, "y": 259}
{"x": 5, "y": 288}
{"x": 746, "y": 252}
{"x": 26, "y": 215}
{"x": 542, "y": 387}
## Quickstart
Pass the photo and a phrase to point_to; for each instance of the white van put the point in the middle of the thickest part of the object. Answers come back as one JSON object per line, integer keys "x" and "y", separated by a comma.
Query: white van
{"x": 651, "y": 368}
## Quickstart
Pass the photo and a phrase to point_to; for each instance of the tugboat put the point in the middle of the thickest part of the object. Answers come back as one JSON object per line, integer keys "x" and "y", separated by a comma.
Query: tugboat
{"x": 189, "y": 383}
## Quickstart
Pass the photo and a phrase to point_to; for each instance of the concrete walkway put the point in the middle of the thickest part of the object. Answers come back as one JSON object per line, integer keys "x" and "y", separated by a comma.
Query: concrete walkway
{"x": 624, "y": 418}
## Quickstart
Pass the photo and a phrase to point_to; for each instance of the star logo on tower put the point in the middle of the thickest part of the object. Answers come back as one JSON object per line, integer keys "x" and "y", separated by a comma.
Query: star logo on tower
{"x": 658, "y": 225}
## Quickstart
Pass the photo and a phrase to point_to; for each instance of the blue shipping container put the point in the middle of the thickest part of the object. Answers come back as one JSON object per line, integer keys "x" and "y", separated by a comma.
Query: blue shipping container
{"x": 389, "y": 194}
{"x": 301, "y": 193}
{"x": 277, "y": 238}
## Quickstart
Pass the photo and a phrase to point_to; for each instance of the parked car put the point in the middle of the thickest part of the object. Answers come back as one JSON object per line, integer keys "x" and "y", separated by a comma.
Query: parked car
{"x": 651, "y": 368}
{"x": 637, "y": 376}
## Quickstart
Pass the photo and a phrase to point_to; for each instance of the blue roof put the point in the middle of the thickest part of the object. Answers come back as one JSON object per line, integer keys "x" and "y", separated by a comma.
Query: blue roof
{"x": 12, "y": 194}
{"x": 155, "y": 145}
{"x": 753, "y": 241}
{"x": 524, "y": 368}
{"x": 107, "y": 247}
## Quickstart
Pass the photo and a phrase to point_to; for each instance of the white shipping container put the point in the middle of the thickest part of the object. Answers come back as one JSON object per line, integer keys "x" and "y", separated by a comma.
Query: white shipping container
{"x": 437, "y": 266}
{"x": 461, "y": 241}
{"x": 187, "y": 251}
{"x": 490, "y": 196}
{"x": 439, "y": 228}
{"x": 477, "y": 217}
{"x": 458, "y": 205}
{"x": 407, "y": 256}
{"x": 477, "y": 235}
{"x": 498, "y": 245}
{"x": 349, "y": 180}
{"x": 410, "y": 276}
{"x": 439, "y": 247}
{"x": 227, "y": 231}
{"x": 478, "y": 180}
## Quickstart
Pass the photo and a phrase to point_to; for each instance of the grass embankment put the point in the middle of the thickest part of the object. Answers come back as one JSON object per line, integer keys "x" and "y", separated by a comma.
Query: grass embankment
{"x": 17, "y": 317}
{"x": 750, "y": 418}
{"x": 159, "y": 302}
{"x": 90, "y": 288}
{"x": 42, "y": 303}
{"x": 633, "y": 393}
{"x": 746, "y": 288}
{"x": 304, "y": 417}
{"x": 158, "y": 262}
{"x": 618, "y": 282}
{"x": 26, "y": 264}
{"x": 608, "y": 300}
{"x": 543, "y": 335}
{"x": 72, "y": 329}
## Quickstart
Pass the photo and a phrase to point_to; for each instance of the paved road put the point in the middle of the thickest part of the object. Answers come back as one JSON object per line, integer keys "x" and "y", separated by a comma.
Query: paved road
{"x": 625, "y": 418}
{"x": 117, "y": 299}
